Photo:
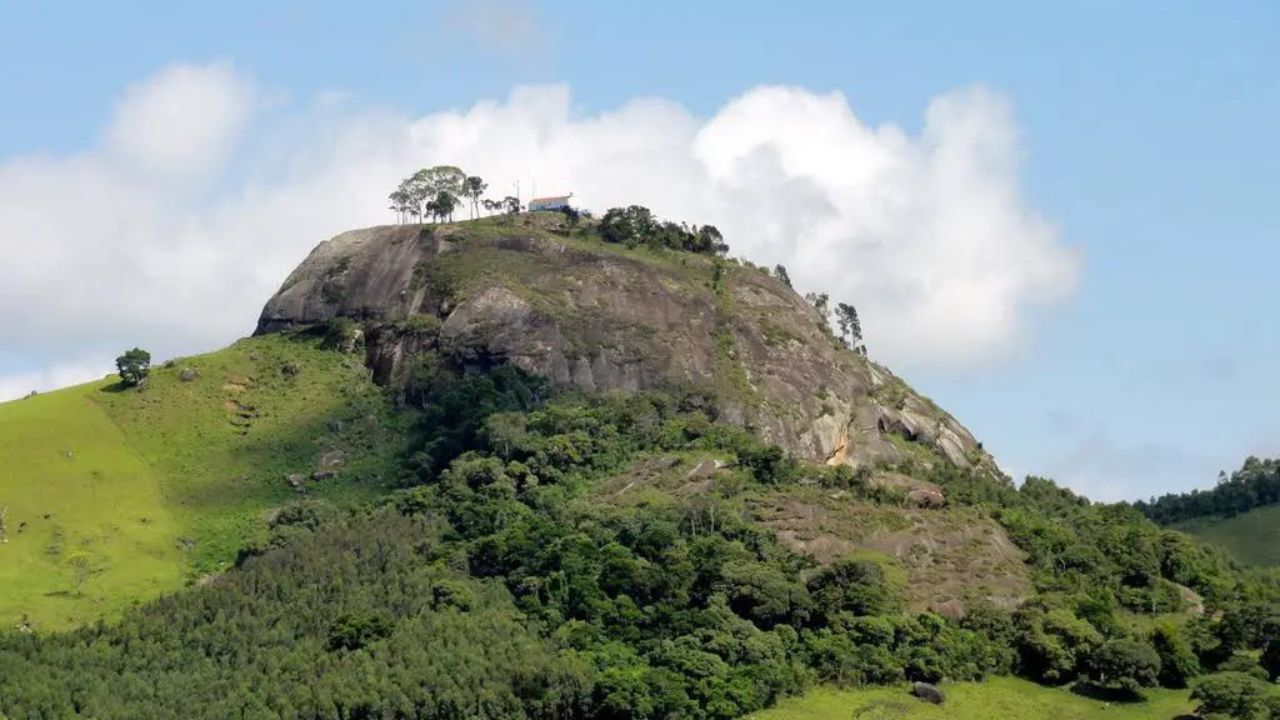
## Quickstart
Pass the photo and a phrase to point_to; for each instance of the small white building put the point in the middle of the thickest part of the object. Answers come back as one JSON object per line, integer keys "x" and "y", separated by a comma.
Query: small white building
{"x": 554, "y": 202}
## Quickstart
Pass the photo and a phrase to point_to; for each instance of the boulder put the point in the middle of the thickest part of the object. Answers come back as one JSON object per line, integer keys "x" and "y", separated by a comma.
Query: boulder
{"x": 922, "y": 498}
{"x": 928, "y": 693}
{"x": 332, "y": 459}
{"x": 187, "y": 374}
{"x": 296, "y": 481}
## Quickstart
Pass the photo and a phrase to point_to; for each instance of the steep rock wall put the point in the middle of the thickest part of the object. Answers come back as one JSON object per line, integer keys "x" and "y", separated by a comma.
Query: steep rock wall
{"x": 601, "y": 317}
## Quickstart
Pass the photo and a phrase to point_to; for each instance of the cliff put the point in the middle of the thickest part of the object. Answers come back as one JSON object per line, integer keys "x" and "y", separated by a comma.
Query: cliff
{"x": 564, "y": 305}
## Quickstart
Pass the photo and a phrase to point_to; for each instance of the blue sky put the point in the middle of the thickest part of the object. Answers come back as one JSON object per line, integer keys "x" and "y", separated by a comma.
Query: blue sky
{"x": 1146, "y": 132}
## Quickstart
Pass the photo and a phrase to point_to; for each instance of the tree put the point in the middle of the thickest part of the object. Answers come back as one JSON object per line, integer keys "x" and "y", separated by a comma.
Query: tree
{"x": 1235, "y": 695}
{"x": 1053, "y": 645}
{"x": 134, "y": 366}
{"x": 1178, "y": 661}
{"x": 1125, "y": 664}
{"x": 855, "y": 586}
{"x": 443, "y": 205}
{"x": 512, "y": 205}
{"x": 768, "y": 464}
{"x": 1271, "y": 659}
{"x": 413, "y": 190}
{"x": 419, "y": 194}
{"x": 780, "y": 272}
{"x": 629, "y": 226}
{"x": 711, "y": 241}
{"x": 353, "y": 631}
{"x": 820, "y": 302}
{"x": 850, "y": 327}
{"x": 400, "y": 203}
{"x": 474, "y": 188}
{"x": 444, "y": 179}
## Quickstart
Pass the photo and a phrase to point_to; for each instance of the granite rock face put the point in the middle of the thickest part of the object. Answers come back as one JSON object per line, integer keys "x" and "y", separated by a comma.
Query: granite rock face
{"x": 600, "y": 317}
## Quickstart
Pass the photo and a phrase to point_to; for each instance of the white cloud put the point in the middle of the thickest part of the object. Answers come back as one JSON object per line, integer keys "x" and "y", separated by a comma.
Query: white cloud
{"x": 181, "y": 122}
{"x": 18, "y": 385}
{"x": 927, "y": 235}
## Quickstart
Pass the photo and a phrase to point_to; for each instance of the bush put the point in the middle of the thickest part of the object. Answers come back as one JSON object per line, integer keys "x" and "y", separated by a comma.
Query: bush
{"x": 768, "y": 464}
{"x": 1237, "y": 696}
{"x": 1244, "y": 664}
{"x": 1053, "y": 645}
{"x": 856, "y": 586}
{"x": 353, "y": 631}
{"x": 1178, "y": 661}
{"x": 342, "y": 333}
{"x": 1125, "y": 664}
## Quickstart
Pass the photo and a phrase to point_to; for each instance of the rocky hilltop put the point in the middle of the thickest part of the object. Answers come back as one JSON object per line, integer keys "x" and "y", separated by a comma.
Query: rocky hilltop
{"x": 562, "y": 304}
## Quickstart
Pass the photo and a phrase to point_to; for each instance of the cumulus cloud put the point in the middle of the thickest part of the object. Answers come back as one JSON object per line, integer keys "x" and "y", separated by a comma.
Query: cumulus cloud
{"x": 927, "y": 234}
{"x": 181, "y": 122}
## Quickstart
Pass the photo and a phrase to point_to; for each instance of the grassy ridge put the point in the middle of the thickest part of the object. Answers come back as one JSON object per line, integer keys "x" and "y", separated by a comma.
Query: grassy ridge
{"x": 1002, "y": 697}
{"x": 1252, "y": 537}
{"x": 146, "y": 489}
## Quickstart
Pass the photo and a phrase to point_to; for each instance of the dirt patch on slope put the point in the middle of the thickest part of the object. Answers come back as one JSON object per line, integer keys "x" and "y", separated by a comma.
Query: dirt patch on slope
{"x": 951, "y": 556}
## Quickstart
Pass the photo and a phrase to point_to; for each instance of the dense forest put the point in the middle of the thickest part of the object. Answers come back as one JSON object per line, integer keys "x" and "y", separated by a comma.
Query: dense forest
{"x": 1256, "y": 484}
{"x": 495, "y": 585}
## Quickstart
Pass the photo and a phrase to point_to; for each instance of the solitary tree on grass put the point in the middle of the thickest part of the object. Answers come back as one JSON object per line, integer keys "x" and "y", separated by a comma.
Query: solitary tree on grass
{"x": 134, "y": 366}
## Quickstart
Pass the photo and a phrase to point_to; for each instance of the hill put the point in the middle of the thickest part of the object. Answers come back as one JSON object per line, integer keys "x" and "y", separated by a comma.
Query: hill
{"x": 118, "y": 496}
{"x": 1238, "y": 514}
{"x": 585, "y": 478}
{"x": 1251, "y": 537}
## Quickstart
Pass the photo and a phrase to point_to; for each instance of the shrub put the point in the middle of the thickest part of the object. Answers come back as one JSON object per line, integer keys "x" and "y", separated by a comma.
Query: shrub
{"x": 1237, "y": 696}
{"x": 353, "y": 631}
{"x": 1125, "y": 664}
{"x": 768, "y": 464}
{"x": 1178, "y": 661}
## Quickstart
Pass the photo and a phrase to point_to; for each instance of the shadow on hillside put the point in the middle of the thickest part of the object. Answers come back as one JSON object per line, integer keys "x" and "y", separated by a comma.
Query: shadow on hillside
{"x": 1106, "y": 694}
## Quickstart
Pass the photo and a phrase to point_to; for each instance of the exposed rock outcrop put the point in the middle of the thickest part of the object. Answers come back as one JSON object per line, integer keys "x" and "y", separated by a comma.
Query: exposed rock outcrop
{"x": 928, "y": 693}
{"x": 600, "y": 317}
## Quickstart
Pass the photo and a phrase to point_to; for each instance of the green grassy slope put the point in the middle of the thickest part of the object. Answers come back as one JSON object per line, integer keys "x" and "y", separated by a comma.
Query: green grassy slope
{"x": 88, "y": 528}
{"x": 145, "y": 489}
{"x": 1005, "y": 698}
{"x": 1252, "y": 537}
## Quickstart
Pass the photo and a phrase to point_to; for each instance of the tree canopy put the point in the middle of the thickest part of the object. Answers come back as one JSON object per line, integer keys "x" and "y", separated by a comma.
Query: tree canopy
{"x": 133, "y": 366}
{"x": 1255, "y": 484}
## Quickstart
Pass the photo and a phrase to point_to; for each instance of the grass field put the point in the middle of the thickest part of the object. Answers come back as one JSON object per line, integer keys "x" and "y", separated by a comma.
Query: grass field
{"x": 87, "y": 526}
{"x": 996, "y": 699}
{"x": 117, "y": 496}
{"x": 1252, "y": 537}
